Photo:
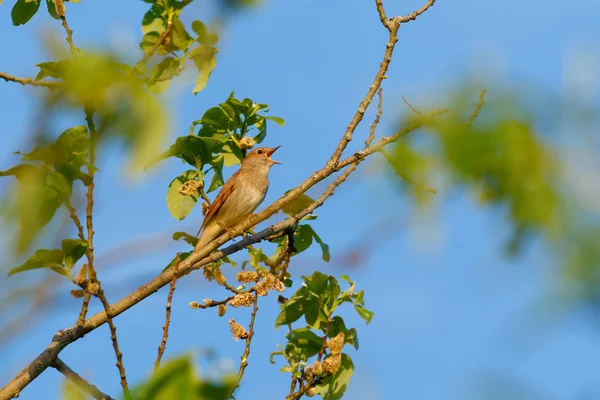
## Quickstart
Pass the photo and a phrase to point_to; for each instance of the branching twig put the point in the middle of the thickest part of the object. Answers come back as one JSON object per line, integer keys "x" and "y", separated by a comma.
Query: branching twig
{"x": 150, "y": 53}
{"x": 29, "y": 81}
{"x": 244, "y": 359}
{"x": 81, "y": 383}
{"x": 163, "y": 342}
{"x": 411, "y": 107}
{"x": 478, "y": 108}
{"x": 376, "y": 120}
{"x": 415, "y": 14}
{"x": 69, "y": 36}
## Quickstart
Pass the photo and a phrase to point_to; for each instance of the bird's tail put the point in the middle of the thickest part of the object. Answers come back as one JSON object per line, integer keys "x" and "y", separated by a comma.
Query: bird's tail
{"x": 209, "y": 233}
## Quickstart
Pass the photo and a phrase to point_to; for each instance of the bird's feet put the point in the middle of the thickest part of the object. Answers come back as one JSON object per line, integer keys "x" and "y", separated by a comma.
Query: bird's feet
{"x": 228, "y": 230}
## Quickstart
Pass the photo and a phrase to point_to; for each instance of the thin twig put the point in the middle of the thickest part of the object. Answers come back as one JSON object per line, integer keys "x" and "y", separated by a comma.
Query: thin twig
{"x": 75, "y": 218}
{"x": 364, "y": 104}
{"x": 29, "y": 81}
{"x": 69, "y": 36}
{"x": 415, "y": 14}
{"x": 478, "y": 108}
{"x": 115, "y": 342}
{"x": 196, "y": 305}
{"x": 151, "y": 52}
{"x": 81, "y": 383}
{"x": 411, "y": 107}
{"x": 84, "y": 307}
{"x": 244, "y": 359}
{"x": 376, "y": 120}
{"x": 406, "y": 177}
{"x": 165, "y": 336}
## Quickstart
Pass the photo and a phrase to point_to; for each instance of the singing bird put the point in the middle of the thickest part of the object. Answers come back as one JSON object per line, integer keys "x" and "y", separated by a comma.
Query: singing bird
{"x": 239, "y": 196}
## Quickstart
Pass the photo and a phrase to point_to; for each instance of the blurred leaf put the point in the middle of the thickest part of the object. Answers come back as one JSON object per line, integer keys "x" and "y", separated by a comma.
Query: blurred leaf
{"x": 73, "y": 250}
{"x": 165, "y": 70}
{"x": 27, "y": 173}
{"x": 363, "y": 313}
{"x": 192, "y": 240}
{"x": 177, "y": 379}
{"x": 36, "y": 207}
{"x": 42, "y": 258}
{"x": 180, "y": 205}
{"x": 180, "y": 38}
{"x": 333, "y": 387}
{"x": 205, "y": 68}
{"x": 57, "y": 181}
{"x": 53, "y": 69}
{"x": 293, "y": 309}
{"x": 23, "y": 11}
{"x": 297, "y": 205}
{"x": 182, "y": 256}
{"x": 70, "y": 391}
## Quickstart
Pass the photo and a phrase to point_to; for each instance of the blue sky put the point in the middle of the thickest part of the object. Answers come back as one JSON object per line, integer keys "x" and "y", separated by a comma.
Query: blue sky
{"x": 452, "y": 314}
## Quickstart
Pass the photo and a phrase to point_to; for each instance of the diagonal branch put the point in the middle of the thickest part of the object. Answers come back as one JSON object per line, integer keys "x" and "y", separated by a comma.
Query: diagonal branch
{"x": 81, "y": 383}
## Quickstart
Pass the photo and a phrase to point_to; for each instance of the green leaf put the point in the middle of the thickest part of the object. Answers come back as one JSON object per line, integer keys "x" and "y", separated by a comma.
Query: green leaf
{"x": 303, "y": 343}
{"x": 180, "y": 205}
{"x": 73, "y": 250}
{"x": 324, "y": 247}
{"x": 180, "y": 38}
{"x": 192, "y": 240}
{"x": 58, "y": 182}
{"x": 42, "y": 258}
{"x": 27, "y": 173}
{"x": 165, "y": 70}
{"x": 297, "y": 205}
{"x": 277, "y": 120}
{"x": 23, "y": 11}
{"x": 363, "y": 312}
{"x": 205, "y": 68}
{"x": 37, "y": 204}
{"x": 304, "y": 237}
{"x": 293, "y": 309}
{"x": 52, "y": 9}
{"x": 217, "y": 179}
{"x": 337, "y": 325}
{"x": 190, "y": 148}
{"x": 53, "y": 69}
{"x": 333, "y": 387}
{"x": 317, "y": 283}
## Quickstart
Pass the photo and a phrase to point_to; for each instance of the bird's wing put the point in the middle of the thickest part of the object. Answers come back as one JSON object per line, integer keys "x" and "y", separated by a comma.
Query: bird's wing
{"x": 221, "y": 198}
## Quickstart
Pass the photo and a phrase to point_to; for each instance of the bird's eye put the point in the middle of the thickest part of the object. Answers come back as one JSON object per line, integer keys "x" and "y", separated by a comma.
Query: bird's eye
{"x": 259, "y": 151}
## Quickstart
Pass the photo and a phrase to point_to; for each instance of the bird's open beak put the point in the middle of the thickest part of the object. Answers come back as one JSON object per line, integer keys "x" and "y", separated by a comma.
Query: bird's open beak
{"x": 270, "y": 153}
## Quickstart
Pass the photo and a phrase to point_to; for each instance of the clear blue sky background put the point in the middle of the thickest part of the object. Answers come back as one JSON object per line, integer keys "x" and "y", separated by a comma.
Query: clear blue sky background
{"x": 453, "y": 316}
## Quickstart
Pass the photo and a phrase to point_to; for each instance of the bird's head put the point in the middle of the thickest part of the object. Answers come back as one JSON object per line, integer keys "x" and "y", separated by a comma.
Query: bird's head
{"x": 260, "y": 157}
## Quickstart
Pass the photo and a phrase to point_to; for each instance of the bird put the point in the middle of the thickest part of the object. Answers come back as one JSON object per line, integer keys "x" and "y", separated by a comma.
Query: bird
{"x": 243, "y": 192}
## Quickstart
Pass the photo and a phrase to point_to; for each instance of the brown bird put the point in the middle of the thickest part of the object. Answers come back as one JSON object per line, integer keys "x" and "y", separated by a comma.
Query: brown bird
{"x": 239, "y": 196}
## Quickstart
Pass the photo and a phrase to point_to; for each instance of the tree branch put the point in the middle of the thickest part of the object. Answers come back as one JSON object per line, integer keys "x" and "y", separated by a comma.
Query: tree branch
{"x": 478, "y": 108}
{"x": 29, "y": 81}
{"x": 81, "y": 383}
{"x": 415, "y": 14}
{"x": 244, "y": 359}
{"x": 163, "y": 342}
